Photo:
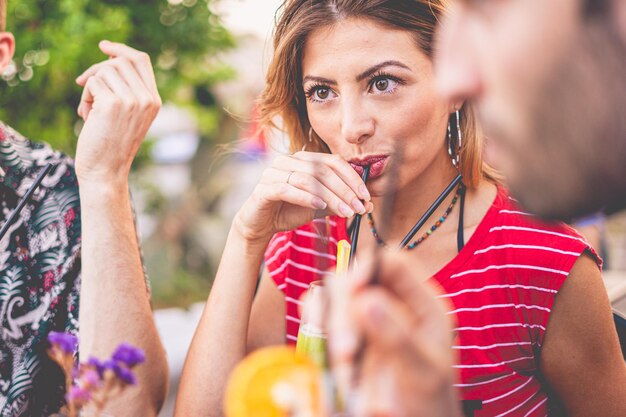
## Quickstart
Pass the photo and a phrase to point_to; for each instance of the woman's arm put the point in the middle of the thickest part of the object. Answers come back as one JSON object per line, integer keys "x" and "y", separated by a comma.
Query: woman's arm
{"x": 267, "y": 319}
{"x": 221, "y": 339}
{"x": 581, "y": 356}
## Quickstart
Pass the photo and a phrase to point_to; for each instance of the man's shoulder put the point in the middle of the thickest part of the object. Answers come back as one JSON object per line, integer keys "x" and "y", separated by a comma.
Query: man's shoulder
{"x": 39, "y": 266}
{"x": 19, "y": 152}
{"x": 22, "y": 159}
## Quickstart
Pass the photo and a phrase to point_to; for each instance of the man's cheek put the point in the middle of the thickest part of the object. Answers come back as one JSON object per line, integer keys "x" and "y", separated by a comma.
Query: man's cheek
{"x": 508, "y": 163}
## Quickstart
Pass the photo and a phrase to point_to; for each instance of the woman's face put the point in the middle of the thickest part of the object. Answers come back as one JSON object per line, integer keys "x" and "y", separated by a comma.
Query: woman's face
{"x": 370, "y": 93}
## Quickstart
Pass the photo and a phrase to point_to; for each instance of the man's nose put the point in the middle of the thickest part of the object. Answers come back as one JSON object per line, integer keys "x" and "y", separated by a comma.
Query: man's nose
{"x": 456, "y": 76}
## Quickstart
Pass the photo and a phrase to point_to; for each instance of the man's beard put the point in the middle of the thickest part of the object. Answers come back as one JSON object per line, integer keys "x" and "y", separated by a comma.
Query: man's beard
{"x": 575, "y": 163}
{"x": 596, "y": 8}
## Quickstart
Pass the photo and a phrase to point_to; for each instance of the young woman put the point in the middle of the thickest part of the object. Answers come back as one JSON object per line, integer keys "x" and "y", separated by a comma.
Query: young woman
{"x": 352, "y": 82}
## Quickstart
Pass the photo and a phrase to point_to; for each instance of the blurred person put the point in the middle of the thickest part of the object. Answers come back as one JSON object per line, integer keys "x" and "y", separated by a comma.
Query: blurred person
{"x": 74, "y": 251}
{"x": 353, "y": 83}
{"x": 551, "y": 95}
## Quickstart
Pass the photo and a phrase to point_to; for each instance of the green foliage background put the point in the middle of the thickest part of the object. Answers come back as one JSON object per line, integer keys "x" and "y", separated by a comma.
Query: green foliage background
{"x": 58, "y": 39}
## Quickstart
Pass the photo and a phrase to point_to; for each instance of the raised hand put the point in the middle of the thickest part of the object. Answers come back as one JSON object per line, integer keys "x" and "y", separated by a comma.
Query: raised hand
{"x": 298, "y": 188}
{"x": 119, "y": 102}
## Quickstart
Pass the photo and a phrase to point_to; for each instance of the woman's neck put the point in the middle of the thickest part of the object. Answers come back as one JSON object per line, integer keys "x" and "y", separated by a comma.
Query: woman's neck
{"x": 413, "y": 200}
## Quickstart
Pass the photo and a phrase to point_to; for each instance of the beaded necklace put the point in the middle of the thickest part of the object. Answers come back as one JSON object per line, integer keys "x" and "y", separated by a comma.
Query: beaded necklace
{"x": 430, "y": 231}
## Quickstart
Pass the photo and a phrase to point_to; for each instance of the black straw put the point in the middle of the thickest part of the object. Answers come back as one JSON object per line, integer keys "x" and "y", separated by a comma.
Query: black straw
{"x": 24, "y": 200}
{"x": 430, "y": 211}
{"x": 354, "y": 238}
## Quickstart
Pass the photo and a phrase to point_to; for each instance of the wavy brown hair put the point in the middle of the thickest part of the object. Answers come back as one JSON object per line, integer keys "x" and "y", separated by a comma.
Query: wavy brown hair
{"x": 283, "y": 97}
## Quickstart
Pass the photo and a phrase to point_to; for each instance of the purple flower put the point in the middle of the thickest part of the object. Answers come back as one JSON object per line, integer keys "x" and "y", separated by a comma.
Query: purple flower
{"x": 129, "y": 355}
{"x": 126, "y": 375}
{"x": 121, "y": 372}
{"x": 65, "y": 341}
{"x": 97, "y": 364}
{"x": 78, "y": 395}
{"x": 89, "y": 378}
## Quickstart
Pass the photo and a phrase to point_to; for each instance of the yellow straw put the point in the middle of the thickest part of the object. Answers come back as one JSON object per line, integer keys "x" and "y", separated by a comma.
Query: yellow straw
{"x": 343, "y": 257}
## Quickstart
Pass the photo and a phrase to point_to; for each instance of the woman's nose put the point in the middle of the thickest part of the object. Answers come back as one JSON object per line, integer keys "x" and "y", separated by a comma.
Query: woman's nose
{"x": 357, "y": 124}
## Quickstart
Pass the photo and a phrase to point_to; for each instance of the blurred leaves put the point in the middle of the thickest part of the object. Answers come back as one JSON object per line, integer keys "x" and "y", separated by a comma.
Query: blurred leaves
{"x": 58, "y": 39}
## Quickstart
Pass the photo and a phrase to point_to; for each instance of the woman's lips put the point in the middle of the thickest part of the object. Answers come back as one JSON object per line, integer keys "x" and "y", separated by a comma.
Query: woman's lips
{"x": 377, "y": 165}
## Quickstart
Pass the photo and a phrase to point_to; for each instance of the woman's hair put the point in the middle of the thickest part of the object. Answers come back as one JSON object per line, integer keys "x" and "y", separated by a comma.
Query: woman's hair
{"x": 283, "y": 96}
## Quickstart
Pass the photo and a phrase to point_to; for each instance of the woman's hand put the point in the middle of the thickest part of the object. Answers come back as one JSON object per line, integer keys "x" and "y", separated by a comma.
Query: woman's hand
{"x": 299, "y": 188}
{"x": 119, "y": 102}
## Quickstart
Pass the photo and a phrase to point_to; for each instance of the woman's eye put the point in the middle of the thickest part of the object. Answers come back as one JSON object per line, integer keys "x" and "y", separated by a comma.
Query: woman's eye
{"x": 322, "y": 93}
{"x": 383, "y": 85}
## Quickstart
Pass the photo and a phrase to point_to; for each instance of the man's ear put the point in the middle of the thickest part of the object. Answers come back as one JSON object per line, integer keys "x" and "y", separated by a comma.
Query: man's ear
{"x": 7, "y": 49}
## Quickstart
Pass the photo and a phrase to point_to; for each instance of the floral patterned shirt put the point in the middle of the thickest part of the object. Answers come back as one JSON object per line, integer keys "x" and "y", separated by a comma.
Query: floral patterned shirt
{"x": 39, "y": 273}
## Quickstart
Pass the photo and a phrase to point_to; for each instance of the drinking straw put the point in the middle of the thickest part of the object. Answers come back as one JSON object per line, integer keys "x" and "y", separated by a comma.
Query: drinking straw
{"x": 354, "y": 238}
{"x": 430, "y": 211}
{"x": 24, "y": 200}
{"x": 343, "y": 257}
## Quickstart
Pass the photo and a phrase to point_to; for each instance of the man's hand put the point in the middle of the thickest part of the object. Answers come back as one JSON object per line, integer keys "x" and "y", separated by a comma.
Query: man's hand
{"x": 390, "y": 344}
{"x": 119, "y": 102}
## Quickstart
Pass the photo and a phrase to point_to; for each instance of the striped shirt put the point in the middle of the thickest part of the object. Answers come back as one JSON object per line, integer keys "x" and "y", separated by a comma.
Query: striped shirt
{"x": 501, "y": 286}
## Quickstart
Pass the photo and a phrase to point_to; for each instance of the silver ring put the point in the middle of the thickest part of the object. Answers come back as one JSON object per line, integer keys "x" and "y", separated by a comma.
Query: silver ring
{"x": 289, "y": 176}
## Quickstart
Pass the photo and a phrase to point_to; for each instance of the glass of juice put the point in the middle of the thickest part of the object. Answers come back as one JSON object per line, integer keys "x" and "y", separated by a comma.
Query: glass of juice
{"x": 312, "y": 335}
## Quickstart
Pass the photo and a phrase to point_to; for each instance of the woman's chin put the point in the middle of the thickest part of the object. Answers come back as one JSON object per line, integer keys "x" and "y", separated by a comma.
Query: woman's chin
{"x": 380, "y": 187}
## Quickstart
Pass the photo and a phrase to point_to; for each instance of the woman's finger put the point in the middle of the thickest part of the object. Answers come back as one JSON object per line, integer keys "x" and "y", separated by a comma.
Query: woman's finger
{"x": 328, "y": 177}
{"x": 289, "y": 194}
{"x": 341, "y": 167}
{"x": 310, "y": 184}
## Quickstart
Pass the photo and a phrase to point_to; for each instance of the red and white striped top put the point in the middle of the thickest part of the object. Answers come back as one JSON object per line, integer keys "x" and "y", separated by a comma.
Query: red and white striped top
{"x": 501, "y": 285}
